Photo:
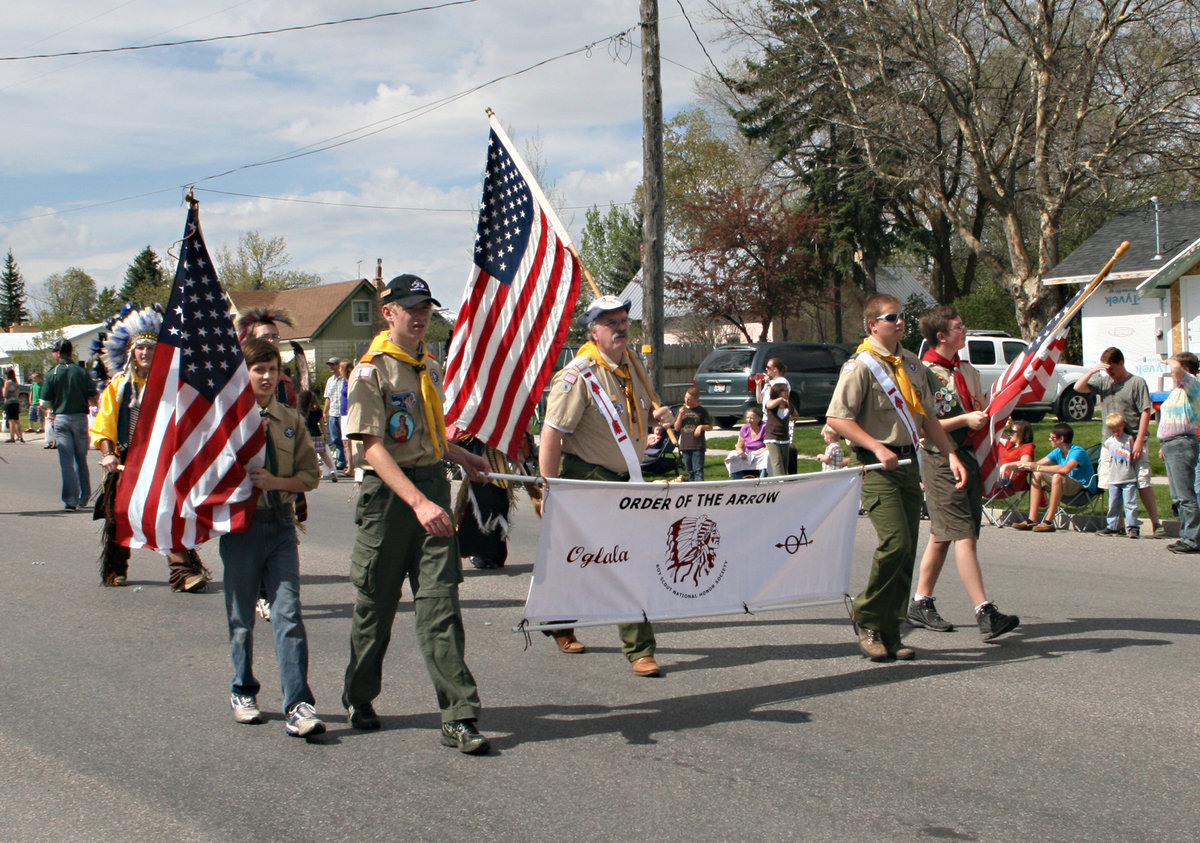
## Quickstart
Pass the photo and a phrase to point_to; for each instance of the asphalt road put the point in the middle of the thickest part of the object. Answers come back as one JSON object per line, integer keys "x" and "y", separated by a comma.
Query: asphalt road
{"x": 114, "y": 721}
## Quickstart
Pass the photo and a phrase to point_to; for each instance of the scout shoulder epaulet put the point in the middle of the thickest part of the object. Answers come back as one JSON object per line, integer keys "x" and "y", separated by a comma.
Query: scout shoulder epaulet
{"x": 581, "y": 362}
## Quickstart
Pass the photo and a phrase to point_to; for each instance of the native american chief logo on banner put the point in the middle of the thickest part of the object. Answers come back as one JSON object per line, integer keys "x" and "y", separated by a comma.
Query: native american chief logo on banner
{"x": 691, "y": 558}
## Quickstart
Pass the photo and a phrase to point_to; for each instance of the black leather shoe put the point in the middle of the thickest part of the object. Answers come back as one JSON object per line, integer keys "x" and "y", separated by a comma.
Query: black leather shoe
{"x": 464, "y": 735}
{"x": 362, "y": 716}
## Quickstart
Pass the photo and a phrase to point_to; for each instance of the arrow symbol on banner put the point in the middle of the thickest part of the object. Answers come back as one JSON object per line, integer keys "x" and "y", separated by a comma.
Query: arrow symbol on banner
{"x": 793, "y": 543}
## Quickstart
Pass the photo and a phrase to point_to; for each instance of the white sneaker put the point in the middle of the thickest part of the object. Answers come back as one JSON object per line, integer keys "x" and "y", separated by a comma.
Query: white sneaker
{"x": 264, "y": 609}
{"x": 245, "y": 708}
{"x": 302, "y": 721}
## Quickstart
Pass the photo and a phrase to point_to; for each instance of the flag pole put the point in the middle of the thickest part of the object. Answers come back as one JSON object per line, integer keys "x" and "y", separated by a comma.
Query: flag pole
{"x": 635, "y": 362}
{"x": 1095, "y": 282}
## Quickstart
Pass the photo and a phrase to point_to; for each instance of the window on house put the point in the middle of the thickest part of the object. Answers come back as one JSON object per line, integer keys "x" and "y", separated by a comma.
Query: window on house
{"x": 360, "y": 311}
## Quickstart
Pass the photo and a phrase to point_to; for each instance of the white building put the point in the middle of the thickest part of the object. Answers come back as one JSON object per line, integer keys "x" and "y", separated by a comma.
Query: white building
{"x": 1149, "y": 305}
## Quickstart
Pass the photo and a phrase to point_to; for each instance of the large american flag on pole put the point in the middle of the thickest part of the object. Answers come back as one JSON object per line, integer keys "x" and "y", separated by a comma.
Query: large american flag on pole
{"x": 198, "y": 430}
{"x": 517, "y": 307}
{"x": 1022, "y": 382}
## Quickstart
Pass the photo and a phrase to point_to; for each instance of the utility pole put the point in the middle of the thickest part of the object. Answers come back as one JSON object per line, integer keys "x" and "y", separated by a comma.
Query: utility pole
{"x": 652, "y": 192}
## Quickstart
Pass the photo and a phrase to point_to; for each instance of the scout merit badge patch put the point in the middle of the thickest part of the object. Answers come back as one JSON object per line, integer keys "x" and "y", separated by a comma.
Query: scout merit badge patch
{"x": 401, "y": 424}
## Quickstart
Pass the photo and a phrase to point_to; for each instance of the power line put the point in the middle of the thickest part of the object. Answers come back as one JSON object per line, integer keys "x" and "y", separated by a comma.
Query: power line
{"x": 472, "y": 210}
{"x": 210, "y": 40}
{"x": 344, "y": 138}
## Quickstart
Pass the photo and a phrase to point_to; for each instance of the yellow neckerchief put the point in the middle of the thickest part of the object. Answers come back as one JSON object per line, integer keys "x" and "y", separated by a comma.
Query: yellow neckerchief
{"x": 900, "y": 376}
{"x": 592, "y": 351}
{"x": 435, "y": 422}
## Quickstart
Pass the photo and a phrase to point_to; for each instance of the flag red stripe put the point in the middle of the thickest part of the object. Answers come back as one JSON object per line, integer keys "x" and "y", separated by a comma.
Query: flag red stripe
{"x": 535, "y": 333}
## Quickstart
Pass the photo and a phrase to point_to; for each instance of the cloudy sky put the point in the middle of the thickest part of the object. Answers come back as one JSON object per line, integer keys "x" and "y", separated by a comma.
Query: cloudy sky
{"x": 95, "y": 149}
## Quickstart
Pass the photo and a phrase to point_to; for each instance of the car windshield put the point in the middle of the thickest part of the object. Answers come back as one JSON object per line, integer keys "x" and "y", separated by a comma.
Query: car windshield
{"x": 724, "y": 360}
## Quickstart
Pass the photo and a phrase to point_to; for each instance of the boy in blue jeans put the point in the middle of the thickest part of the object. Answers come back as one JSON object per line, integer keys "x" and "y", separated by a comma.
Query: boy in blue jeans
{"x": 267, "y": 554}
{"x": 691, "y": 424}
{"x": 1122, "y": 478}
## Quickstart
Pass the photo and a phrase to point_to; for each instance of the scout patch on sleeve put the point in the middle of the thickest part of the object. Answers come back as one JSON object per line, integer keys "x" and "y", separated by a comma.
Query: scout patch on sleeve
{"x": 400, "y": 426}
{"x": 848, "y": 366}
{"x": 363, "y": 370}
{"x": 403, "y": 400}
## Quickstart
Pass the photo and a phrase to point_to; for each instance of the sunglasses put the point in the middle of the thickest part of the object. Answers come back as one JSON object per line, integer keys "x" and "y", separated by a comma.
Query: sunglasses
{"x": 890, "y": 317}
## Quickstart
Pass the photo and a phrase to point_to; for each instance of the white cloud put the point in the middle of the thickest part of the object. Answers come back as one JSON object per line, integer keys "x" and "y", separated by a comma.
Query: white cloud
{"x": 85, "y": 131}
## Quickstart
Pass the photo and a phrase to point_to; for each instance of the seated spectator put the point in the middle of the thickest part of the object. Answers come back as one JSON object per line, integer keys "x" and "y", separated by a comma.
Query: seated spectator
{"x": 749, "y": 458}
{"x": 1065, "y": 471}
{"x": 1015, "y": 447}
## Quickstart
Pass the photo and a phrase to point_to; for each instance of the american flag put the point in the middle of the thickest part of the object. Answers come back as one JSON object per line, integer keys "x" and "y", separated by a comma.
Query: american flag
{"x": 1022, "y": 382}
{"x": 517, "y": 307}
{"x": 198, "y": 428}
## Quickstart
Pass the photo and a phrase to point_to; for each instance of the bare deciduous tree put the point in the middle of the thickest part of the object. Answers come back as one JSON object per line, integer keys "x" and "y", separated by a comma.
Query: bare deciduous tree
{"x": 991, "y": 107}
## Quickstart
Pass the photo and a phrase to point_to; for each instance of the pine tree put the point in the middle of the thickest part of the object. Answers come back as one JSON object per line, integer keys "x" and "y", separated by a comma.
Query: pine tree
{"x": 12, "y": 294}
{"x": 145, "y": 280}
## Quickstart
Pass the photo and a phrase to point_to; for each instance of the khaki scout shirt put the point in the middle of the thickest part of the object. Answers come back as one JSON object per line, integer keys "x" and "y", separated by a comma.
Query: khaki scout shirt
{"x": 570, "y": 409}
{"x": 294, "y": 452}
{"x": 384, "y": 400}
{"x": 859, "y": 396}
{"x": 946, "y": 400}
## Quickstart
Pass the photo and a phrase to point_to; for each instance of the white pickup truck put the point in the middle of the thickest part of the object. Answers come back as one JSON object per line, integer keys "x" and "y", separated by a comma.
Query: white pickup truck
{"x": 991, "y": 351}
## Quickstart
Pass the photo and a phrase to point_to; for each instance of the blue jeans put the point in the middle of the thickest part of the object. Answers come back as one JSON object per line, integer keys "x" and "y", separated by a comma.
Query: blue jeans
{"x": 1179, "y": 456}
{"x": 70, "y": 431}
{"x": 1123, "y": 495}
{"x": 266, "y": 555}
{"x": 334, "y": 423}
{"x": 693, "y": 463}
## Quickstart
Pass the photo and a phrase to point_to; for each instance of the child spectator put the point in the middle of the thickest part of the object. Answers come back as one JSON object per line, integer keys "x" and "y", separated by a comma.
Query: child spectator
{"x": 691, "y": 424}
{"x": 1122, "y": 478}
{"x": 834, "y": 457}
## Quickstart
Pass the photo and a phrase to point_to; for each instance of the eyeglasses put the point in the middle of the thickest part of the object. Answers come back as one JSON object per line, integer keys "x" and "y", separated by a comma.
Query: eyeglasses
{"x": 890, "y": 317}
{"x": 614, "y": 323}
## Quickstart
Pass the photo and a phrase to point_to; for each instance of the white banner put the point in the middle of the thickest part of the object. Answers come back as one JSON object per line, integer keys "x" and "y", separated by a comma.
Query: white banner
{"x": 621, "y": 552}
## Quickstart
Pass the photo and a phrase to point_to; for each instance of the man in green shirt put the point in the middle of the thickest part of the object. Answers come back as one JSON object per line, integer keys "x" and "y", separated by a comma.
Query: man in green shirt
{"x": 68, "y": 391}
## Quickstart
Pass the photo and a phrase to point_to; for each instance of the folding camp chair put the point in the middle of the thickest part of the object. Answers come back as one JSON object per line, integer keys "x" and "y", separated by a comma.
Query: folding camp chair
{"x": 1085, "y": 502}
{"x": 1012, "y": 503}
{"x": 661, "y": 458}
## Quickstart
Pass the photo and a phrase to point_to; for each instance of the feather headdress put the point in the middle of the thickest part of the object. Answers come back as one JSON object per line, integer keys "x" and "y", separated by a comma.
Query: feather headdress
{"x": 260, "y": 316}
{"x": 132, "y": 326}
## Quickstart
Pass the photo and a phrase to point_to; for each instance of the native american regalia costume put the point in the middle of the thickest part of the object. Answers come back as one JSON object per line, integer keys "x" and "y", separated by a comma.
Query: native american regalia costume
{"x": 115, "y": 422}
{"x": 285, "y": 392}
{"x": 481, "y": 511}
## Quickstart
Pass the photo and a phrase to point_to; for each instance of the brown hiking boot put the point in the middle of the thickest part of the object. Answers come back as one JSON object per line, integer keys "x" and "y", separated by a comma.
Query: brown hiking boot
{"x": 872, "y": 646}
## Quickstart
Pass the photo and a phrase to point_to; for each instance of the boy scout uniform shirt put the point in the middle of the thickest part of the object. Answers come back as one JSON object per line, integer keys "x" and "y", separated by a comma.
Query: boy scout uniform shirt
{"x": 572, "y": 410}
{"x": 294, "y": 452}
{"x": 859, "y": 396}
{"x": 947, "y": 403}
{"x": 384, "y": 400}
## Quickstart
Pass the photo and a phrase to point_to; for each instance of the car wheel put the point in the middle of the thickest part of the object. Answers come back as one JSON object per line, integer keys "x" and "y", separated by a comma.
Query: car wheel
{"x": 727, "y": 421}
{"x": 1075, "y": 407}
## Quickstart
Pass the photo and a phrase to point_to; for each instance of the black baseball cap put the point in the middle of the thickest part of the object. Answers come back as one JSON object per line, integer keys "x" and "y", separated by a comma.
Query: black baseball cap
{"x": 407, "y": 291}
